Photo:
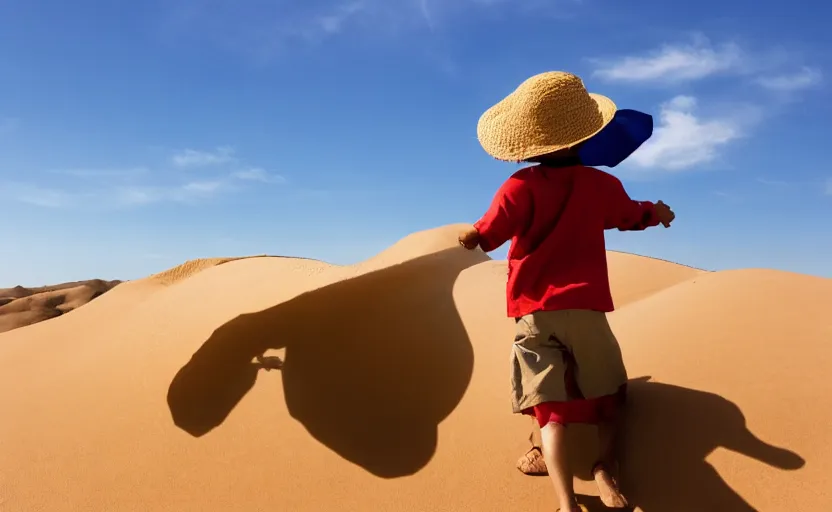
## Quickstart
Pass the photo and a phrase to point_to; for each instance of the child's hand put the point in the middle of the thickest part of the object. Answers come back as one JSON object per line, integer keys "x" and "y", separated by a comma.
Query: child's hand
{"x": 665, "y": 214}
{"x": 469, "y": 239}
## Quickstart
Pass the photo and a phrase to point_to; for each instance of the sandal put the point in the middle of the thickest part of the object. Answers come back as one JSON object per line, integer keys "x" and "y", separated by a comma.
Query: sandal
{"x": 599, "y": 465}
{"x": 532, "y": 463}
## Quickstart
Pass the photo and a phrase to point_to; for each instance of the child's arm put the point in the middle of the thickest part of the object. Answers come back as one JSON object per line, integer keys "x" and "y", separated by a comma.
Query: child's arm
{"x": 626, "y": 214}
{"x": 505, "y": 217}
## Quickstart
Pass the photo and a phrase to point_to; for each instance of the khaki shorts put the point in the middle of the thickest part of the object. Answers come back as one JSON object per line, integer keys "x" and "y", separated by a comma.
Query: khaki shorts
{"x": 564, "y": 355}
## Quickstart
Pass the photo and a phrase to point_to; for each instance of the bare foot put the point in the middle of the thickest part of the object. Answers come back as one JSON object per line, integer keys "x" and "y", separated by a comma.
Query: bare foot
{"x": 608, "y": 489}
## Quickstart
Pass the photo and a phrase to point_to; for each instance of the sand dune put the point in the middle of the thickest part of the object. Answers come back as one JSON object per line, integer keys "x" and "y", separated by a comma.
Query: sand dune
{"x": 629, "y": 276}
{"x": 190, "y": 268}
{"x": 394, "y": 393}
{"x": 21, "y": 306}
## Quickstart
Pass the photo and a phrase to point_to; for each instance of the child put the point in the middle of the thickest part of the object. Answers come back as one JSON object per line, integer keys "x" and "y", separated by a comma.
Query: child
{"x": 566, "y": 363}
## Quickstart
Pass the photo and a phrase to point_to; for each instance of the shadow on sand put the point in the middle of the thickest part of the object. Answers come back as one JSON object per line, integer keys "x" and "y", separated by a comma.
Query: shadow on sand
{"x": 372, "y": 365}
{"x": 670, "y": 430}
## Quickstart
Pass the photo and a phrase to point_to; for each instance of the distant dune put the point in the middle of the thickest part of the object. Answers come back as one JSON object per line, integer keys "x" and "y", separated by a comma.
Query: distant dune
{"x": 21, "y": 306}
{"x": 393, "y": 393}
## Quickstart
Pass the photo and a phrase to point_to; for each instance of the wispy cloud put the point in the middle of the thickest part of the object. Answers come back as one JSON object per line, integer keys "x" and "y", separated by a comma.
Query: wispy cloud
{"x": 36, "y": 195}
{"x": 427, "y": 15}
{"x": 129, "y": 172}
{"x": 109, "y": 197}
{"x": 798, "y": 187}
{"x": 699, "y": 59}
{"x": 728, "y": 197}
{"x": 187, "y": 193}
{"x": 806, "y": 78}
{"x": 8, "y": 125}
{"x": 673, "y": 63}
{"x": 333, "y": 21}
{"x": 197, "y": 158}
{"x": 780, "y": 184}
{"x": 258, "y": 174}
{"x": 683, "y": 140}
{"x": 114, "y": 188}
{"x": 263, "y": 32}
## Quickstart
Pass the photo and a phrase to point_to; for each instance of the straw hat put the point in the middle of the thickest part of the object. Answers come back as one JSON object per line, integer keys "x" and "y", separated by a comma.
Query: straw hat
{"x": 546, "y": 113}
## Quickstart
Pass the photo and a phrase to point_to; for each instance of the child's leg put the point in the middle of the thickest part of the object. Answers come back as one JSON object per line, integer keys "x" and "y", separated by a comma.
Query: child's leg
{"x": 608, "y": 442}
{"x": 608, "y": 436}
{"x": 553, "y": 439}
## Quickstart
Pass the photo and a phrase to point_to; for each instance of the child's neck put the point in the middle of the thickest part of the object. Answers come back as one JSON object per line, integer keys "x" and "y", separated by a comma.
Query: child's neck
{"x": 566, "y": 161}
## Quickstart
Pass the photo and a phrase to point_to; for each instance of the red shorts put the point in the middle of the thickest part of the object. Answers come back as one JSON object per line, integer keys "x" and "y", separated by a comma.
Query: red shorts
{"x": 593, "y": 410}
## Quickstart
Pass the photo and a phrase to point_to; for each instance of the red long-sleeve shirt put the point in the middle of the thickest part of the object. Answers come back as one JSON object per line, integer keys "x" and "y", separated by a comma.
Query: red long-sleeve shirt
{"x": 562, "y": 265}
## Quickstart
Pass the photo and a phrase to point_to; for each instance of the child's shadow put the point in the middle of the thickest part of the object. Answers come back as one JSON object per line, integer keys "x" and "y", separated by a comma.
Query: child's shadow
{"x": 669, "y": 432}
{"x": 373, "y": 363}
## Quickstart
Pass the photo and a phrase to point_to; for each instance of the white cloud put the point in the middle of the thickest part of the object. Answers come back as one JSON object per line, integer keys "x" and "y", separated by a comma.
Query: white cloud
{"x": 107, "y": 188}
{"x": 682, "y": 140}
{"x": 263, "y": 31}
{"x": 109, "y": 197}
{"x": 202, "y": 187}
{"x": 700, "y": 59}
{"x": 258, "y": 174}
{"x": 196, "y": 158}
{"x": 798, "y": 186}
{"x": 427, "y": 15}
{"x": 129, "y": 196}
{"x": 48, "y": 198}
{"x": 805, "y": 78}
{"x": 729, "y": 197}
{"x": 673, "y": 63}
{"x": 189, "y": 192}
{"x": 333, "y": 21}
{"x": 128, "y": 172}
{"x": 776, "y": 183}
{"x": 36, "y": 195}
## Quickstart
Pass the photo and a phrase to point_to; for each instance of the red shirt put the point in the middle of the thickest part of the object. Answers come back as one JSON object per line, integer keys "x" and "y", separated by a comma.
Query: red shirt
{"x": 559, "y": 262}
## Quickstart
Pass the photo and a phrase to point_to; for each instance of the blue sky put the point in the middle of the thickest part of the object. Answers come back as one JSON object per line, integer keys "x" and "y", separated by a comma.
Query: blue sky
{"x": 136, "y": 135}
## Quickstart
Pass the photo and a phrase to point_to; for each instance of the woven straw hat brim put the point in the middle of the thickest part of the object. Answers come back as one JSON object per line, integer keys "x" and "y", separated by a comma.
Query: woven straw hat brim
{"x": 506, "y": 133}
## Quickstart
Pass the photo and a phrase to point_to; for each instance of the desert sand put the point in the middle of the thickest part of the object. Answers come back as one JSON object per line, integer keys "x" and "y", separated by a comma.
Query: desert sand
{"x": 394, "y": 393}
{"x": 20, "y": 306}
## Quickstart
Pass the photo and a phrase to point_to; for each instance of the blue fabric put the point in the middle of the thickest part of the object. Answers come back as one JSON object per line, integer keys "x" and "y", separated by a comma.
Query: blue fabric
{"x": 627, "y": 131}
